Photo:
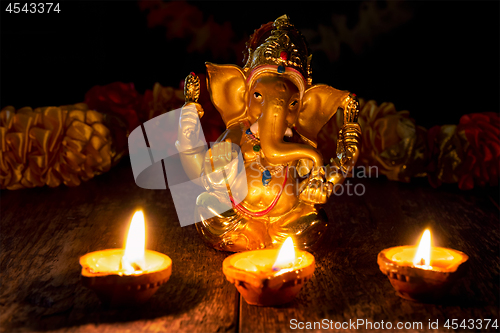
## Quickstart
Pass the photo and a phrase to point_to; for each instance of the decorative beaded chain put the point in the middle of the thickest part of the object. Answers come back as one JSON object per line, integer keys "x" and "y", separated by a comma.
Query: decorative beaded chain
{"x": 264, "y": 169}
{"x": 256, "y": 149}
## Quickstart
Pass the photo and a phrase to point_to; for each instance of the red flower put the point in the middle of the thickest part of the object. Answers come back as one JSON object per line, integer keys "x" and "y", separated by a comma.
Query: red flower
{"x": 120, "y": 98}
{"x": 482, "y": 162}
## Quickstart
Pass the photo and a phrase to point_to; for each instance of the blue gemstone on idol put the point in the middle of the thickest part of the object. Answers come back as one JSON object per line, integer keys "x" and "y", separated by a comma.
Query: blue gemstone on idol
{"x": 281, "y": 69}
{"x": 266, "y": 177}
{"x": 248, "y": 132}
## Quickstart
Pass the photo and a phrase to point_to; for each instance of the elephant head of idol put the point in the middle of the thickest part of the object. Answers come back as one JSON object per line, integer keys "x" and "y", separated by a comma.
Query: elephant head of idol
{"x": 274, "y": 93}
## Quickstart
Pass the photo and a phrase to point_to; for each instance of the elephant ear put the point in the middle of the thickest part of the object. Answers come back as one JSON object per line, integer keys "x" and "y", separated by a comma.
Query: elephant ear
{"x": 319, "y": 104}
{"x": 227, "y": 87}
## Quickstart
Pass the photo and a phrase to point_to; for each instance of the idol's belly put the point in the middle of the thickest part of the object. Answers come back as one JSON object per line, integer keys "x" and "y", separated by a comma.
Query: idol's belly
{"x": 281, "y": 193}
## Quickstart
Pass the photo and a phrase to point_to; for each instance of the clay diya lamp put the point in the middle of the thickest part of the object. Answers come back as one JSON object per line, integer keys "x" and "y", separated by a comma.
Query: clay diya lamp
{"x": 271, "y": 276}
{"x": 424, "y": 273}
{"x": 130, "y": 276}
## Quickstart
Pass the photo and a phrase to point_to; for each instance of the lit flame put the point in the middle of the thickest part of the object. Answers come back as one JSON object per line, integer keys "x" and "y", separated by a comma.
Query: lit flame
{"x": 133, "y": 258}
{"x": 286, "y": 256}
{"x": 423, "y": 256}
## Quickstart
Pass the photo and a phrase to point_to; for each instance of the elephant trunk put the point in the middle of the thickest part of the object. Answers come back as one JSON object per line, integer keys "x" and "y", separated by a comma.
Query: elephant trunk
{"x": 272, "y": 127}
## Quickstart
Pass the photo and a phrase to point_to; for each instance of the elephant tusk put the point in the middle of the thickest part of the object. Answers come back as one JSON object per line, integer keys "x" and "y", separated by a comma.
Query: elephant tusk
{"x": 255, "y": 128}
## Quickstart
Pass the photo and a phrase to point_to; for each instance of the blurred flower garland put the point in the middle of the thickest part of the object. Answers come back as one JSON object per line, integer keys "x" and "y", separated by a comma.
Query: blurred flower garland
{"x": 68, "y": 144}
{"x": 467, "y": 153}
{"x": 53, "y": 145}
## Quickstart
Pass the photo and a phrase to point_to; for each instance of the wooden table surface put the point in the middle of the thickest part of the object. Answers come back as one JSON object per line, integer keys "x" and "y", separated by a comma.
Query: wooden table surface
{"x": 44, "y": 231}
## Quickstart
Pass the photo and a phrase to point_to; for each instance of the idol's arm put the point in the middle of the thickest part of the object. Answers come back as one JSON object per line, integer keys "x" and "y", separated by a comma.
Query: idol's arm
{"x": 348, "y": 143}
{"x": 191, "y": 149}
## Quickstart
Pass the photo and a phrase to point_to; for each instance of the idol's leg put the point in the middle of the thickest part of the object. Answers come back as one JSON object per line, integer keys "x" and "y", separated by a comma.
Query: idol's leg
{"x": 305, "y": 223}
{"x": 230, "y": 230}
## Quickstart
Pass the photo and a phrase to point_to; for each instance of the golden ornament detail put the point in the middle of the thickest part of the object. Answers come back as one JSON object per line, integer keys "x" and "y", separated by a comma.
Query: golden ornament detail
{"x": 192, "y": 92}
{"x": 53, "y": 145}
{"x": 192, "y": 88}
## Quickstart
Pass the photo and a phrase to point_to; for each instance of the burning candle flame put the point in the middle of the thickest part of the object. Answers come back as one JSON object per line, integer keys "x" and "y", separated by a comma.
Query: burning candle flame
{"x": 133, "y": 259}
{"x": 423, "y": 257}
{"x": 286, "y": 256}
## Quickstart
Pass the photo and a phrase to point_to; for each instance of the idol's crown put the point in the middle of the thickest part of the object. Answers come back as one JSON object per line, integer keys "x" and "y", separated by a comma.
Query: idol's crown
{"x": 280, "y": 44}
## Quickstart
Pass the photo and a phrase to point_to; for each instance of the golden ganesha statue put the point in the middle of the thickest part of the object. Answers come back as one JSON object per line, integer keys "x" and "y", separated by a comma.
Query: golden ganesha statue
{"x": 273, "y": 114}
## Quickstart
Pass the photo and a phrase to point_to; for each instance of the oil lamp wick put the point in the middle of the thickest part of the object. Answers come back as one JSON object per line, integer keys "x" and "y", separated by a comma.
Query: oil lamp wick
{"x": 134, "y": 265}
{"x": 422, "y": 262}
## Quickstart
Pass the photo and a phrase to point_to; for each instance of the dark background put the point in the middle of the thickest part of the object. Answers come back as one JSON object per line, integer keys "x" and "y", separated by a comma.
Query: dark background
{"x": 439, "y": 60}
